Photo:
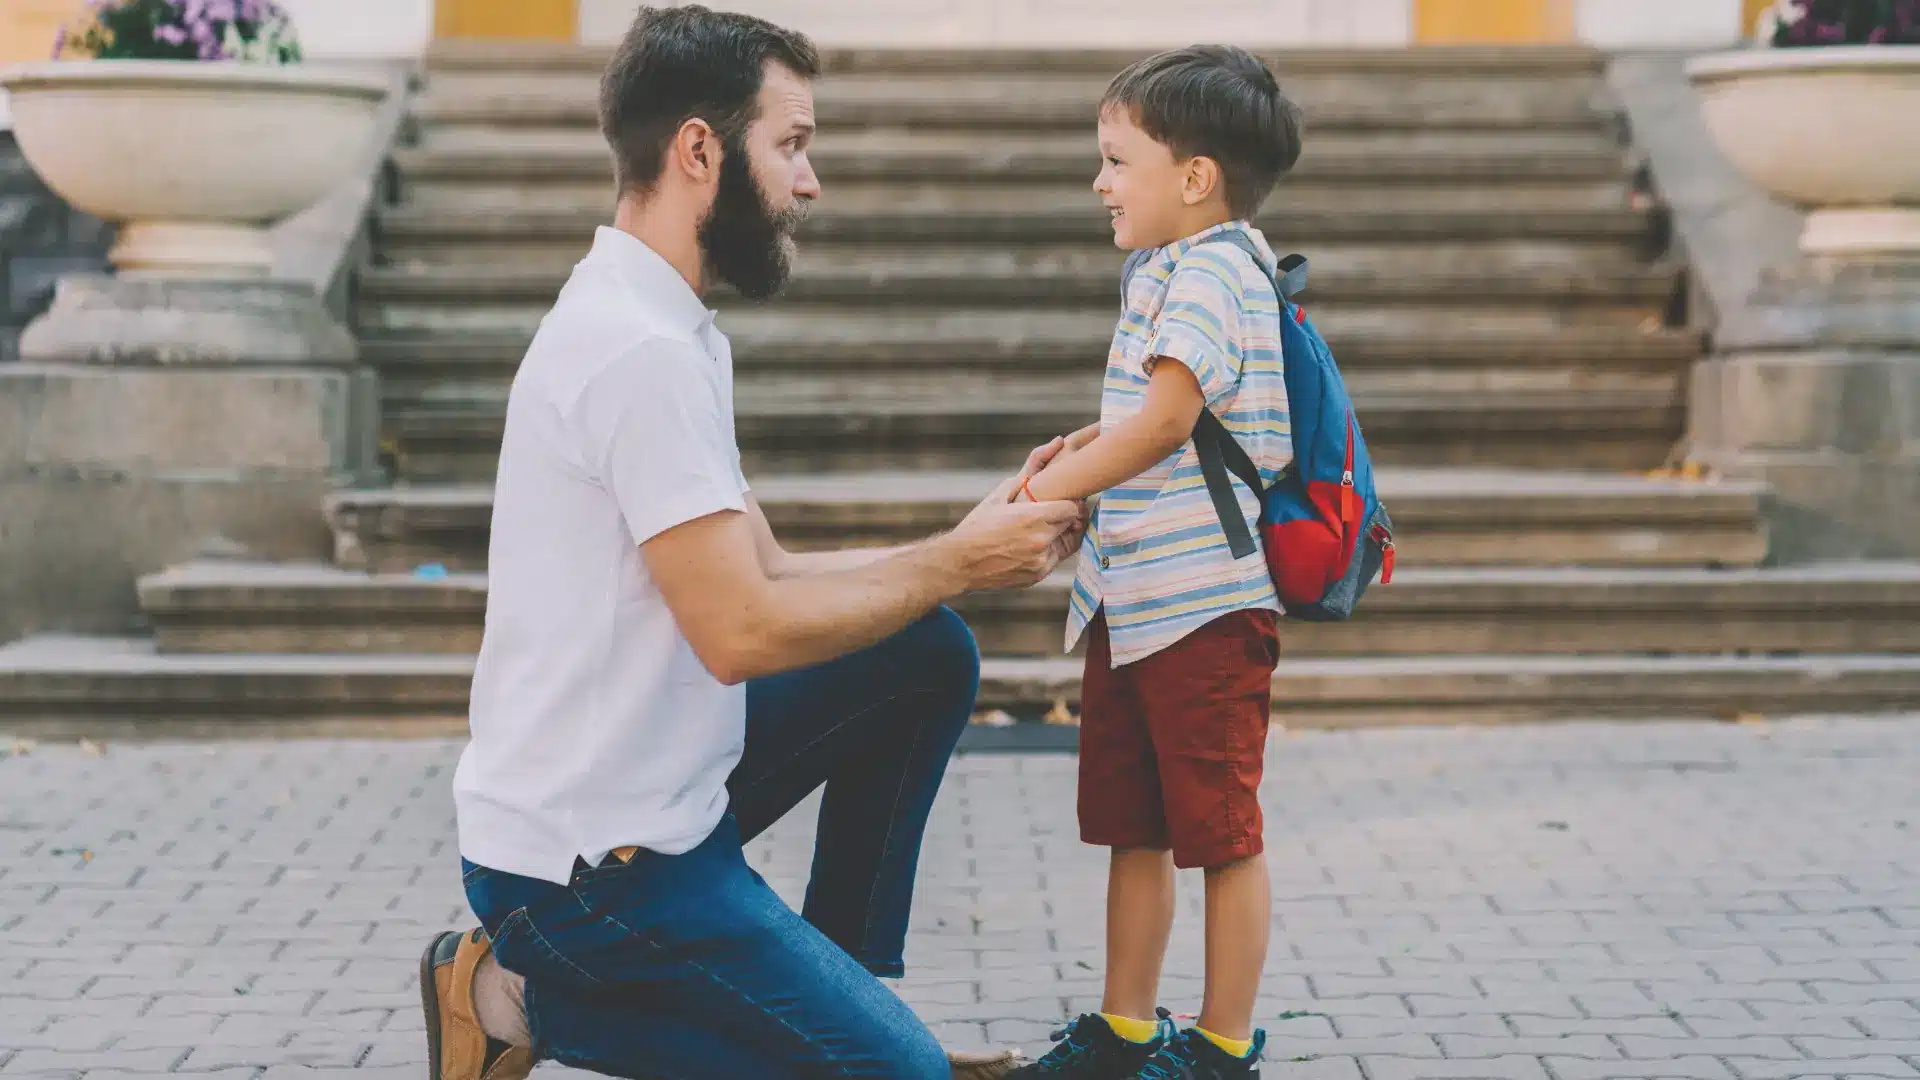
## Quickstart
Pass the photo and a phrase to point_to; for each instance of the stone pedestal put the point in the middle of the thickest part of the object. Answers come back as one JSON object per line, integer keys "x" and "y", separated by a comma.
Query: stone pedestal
{"x": 1814, "y": 387}
{"x": 150, "y": 421}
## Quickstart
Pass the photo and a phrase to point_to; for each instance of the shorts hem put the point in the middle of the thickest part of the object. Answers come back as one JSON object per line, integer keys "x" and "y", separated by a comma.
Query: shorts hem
{"x": 1218, "y": 855}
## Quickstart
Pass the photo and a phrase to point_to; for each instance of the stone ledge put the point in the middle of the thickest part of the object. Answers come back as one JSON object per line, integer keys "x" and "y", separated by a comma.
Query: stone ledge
{"x": 146, "y": 420}
{"x": 402, "y": 227}
{"x": 446, "y": 56}
{"x": 866, "y": 280}
{"x": 766, "y": 341}
{"x": 218, "y": 606}
{"x": 187, "y": 323}
{"x": 120, "y": 689}
{"x": 73, "y": 542}
{"x": 1443, "y": 517}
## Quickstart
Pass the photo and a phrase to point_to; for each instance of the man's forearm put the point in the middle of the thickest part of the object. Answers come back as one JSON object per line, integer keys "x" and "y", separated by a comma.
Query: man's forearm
{"x": 793, "y": 564}
{"x": 813, "y": 616}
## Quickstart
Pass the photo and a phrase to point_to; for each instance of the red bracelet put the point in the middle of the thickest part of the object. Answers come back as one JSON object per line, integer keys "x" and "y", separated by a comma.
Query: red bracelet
{"x": 1028, "y": 491}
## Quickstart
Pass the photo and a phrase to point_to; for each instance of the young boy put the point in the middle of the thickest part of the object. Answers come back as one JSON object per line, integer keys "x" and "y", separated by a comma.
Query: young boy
{"x": 1181, "y": 636}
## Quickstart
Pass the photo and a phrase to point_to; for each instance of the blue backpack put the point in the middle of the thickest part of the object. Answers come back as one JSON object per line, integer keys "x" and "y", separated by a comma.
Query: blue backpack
{"x": 1325, "y": 530}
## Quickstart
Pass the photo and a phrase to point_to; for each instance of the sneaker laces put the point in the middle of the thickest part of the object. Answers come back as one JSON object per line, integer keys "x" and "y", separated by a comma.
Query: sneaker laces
{"x": 1072, "y": 1046}
{"x": 1069, "y": 1046}
{"x": 1175, "y": 1060}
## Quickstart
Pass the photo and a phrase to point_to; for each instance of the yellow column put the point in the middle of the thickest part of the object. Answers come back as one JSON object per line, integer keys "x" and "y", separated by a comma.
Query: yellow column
{"x": 1510, "y": 22}
{"x": 27, "y": 27}
{"x": 526, "y": 20}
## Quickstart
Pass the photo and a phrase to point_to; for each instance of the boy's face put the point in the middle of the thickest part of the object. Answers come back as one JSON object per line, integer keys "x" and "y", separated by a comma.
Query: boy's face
{"x": 1152, "y": 196}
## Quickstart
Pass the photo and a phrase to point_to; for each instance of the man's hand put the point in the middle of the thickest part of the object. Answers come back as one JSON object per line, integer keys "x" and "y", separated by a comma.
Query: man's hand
{"x": 1004, "y": 492}
{"x": 1009, "y": 545}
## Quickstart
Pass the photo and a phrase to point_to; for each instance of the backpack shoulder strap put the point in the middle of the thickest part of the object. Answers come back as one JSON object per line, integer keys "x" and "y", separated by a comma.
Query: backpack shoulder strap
{"x": 1289, "y": 275}
{"x": 1220, "y": 453}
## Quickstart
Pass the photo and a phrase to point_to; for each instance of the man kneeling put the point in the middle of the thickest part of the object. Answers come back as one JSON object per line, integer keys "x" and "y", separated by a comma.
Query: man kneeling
{"x": 659, "y": 681}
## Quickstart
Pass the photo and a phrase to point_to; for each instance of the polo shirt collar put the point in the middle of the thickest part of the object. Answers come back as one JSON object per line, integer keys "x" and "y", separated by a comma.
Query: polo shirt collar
{"x": 652, "y": 278}
{"x": 1172, "y": 252}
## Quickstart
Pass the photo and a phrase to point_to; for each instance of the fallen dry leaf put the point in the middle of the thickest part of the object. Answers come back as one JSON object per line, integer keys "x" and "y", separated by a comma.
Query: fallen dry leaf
{"x": 91, "y": 748}
{"x": 994, "y": 718}
{"x": 1061, "y": 716}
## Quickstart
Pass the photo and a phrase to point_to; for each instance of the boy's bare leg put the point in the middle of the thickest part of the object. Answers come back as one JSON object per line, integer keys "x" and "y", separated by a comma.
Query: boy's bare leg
{"x": 1139, "y": 920}
{"x": 1239, "y": 910}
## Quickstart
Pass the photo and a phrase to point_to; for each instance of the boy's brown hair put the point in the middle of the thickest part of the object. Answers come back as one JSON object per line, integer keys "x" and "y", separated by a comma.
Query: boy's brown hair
{"x": 1219, "y": 102}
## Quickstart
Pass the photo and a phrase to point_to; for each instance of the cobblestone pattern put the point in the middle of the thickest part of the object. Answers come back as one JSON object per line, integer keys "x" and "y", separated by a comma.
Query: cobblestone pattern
{"x": 40, "y": 239}
{"x": 1571, "y": 902}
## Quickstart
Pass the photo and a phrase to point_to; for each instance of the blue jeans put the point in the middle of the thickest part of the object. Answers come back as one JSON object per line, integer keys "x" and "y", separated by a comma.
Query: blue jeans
{"x": 689, "y": 967}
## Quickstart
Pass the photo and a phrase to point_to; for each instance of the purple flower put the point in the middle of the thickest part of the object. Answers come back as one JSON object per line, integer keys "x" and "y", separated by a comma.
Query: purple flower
{"x": 59, "y": 42}
{"x": 170, "y": 34}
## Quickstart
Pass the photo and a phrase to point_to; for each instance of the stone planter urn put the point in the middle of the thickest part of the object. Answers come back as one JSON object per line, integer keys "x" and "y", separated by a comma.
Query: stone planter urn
{"x": 1834, "y": 130}
{"x": 193, "y": 161}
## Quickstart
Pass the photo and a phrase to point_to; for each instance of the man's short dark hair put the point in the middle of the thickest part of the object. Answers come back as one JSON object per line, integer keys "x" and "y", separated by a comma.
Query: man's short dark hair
{"x": 1219, "y": 102}
{"x": 678, "y": 63}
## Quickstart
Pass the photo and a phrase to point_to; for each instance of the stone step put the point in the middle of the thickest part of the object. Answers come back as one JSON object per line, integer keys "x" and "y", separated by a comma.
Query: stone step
{"x": 1064, "y": 102}
{"x": 961, "y": 276}
{"x": 450, "y": 56}
{"x": 450, "y": 159}
{"x": 122, "y": 689}
{"x": 790, "y": 424}
{"x": 1467, "y": 517}
{"x": 1478, "y": 689}
{"x": 426, "y": 364}
{"x": 227, "y": 607}
{"x": 940, "y": 195}
{"x": 531, "y": 232}
{"x": 1332, "y": 262}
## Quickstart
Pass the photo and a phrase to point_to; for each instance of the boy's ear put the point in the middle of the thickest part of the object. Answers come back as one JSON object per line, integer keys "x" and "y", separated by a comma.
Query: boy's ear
{"x": 1202, "y": 180}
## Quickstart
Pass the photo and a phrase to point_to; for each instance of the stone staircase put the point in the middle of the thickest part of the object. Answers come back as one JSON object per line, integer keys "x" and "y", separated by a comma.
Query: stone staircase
{"x": 1487, "y": 265}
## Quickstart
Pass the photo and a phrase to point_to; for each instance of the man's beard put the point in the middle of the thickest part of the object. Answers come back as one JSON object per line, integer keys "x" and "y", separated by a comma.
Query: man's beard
{"x": 747, "y": 243}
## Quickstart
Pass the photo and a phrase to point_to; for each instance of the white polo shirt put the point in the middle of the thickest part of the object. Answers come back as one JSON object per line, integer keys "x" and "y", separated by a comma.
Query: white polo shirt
{"x": 594, "y": 724}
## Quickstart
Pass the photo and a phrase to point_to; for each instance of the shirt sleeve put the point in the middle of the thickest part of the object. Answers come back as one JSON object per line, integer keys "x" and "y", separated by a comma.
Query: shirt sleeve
{"x": 656, "y": 436}
{"x": 1198, "y": 325}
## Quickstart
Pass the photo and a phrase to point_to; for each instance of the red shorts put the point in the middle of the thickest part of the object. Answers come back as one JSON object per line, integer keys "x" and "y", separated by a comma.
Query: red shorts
{"x": 1172, "y": 745}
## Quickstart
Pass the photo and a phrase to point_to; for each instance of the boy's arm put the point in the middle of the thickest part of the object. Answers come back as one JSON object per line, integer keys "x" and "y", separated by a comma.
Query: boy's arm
{"x": 1130, "y": 447}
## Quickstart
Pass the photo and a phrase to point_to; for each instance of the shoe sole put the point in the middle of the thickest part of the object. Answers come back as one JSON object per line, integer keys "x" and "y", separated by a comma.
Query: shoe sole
{"x": 430, "y": 1002}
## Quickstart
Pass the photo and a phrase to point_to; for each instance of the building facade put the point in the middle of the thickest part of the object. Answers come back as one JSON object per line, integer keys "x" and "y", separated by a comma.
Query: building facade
{"x": 385, "y": 28}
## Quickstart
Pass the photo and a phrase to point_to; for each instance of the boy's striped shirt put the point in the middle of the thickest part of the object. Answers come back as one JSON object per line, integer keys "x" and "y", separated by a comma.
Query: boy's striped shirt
{"x": 1156, "y": 557}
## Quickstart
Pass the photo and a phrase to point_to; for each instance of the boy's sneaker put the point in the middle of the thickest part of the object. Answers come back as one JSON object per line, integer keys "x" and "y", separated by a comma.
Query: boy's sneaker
{"x": 1190, "y": 1055}
{"x": 1088, "y": 1049}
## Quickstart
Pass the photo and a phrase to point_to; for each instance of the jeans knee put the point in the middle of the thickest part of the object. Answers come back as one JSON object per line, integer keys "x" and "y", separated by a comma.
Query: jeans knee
{"x": 919, "y": 1056}
{"x": 943, "y": 648}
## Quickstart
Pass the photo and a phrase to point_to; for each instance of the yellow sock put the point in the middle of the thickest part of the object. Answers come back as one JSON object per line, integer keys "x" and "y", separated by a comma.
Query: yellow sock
{"x": 1236, "y": 1047}
{"x": 1134, "y": 1031}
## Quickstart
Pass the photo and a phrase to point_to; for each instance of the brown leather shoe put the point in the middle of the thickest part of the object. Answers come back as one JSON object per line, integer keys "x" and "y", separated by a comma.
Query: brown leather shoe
{"x": 986, "y": 1065}
{"x": 457, "y": 1049}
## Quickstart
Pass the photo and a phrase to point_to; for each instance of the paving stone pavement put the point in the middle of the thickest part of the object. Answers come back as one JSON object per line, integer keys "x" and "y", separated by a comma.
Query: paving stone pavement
{"x": 1571, "y": 902}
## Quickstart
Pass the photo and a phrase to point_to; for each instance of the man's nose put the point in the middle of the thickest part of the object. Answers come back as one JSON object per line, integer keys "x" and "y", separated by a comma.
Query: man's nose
{"x": 806, "y": 183}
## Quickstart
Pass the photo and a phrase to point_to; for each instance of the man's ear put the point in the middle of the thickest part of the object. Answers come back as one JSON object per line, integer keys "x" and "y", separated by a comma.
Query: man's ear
{"x": 1202, "y": 180}
{"x": 696, "y": 150}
